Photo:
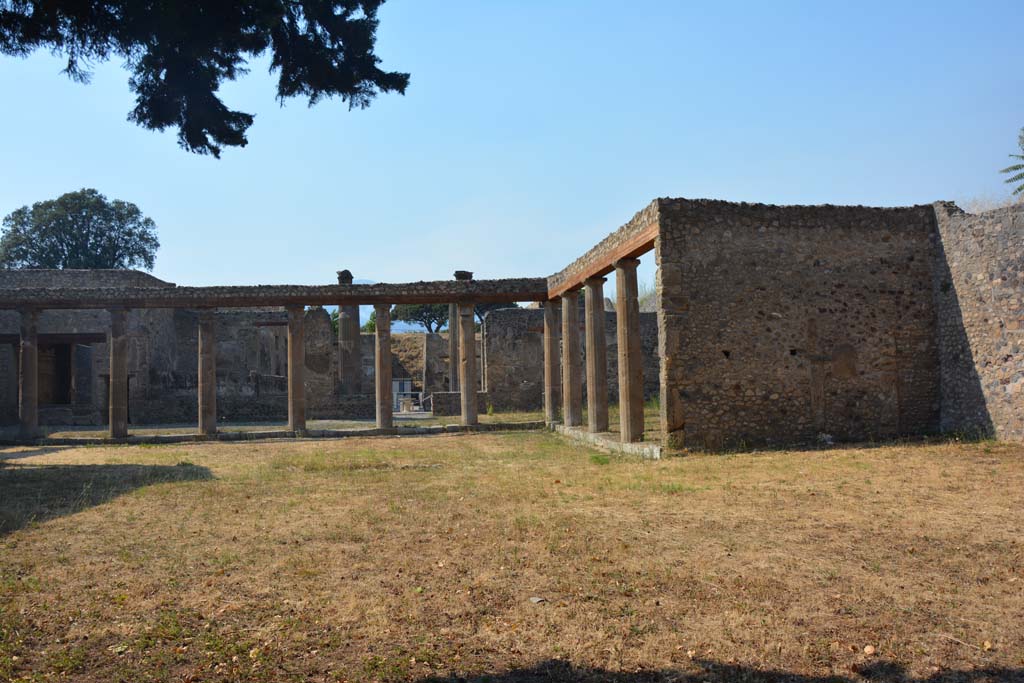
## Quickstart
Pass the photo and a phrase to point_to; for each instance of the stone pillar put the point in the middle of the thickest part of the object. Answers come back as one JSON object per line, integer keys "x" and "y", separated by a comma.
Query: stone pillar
{"x": 382, "y": 367}
{"x": 454, "y": 332}
{"x": 572, "y": 375}
{"x": 453, "y": 347}
{"x": 28, "y": 386}
{"x": 467, "y": 365}
{"x": 631, "y": 370}
{"x": 552, "y": 371}
{"x": 350, "y": 361}
{"x": 118, "y": 345}
{"x": 296, "y": 369}
{"x": 597, "y": 357}
{"x": 207, "y": 374}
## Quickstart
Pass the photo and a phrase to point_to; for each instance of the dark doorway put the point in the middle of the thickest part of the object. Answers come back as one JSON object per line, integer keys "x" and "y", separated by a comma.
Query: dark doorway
{"x": 55, "y": 374}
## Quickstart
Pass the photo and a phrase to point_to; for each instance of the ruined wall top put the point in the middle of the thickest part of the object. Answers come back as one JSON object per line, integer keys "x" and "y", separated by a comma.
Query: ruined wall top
{"x": 170, "y": 296}
{"x": 34, "y": 278}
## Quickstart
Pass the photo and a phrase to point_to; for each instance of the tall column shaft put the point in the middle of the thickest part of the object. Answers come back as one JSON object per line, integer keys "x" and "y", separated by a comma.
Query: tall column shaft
{"x": 350, "y": 371}
{"x": 597, "y": 357}
{"x": 382, "y": 367}
{"x": 28, "y": 384}
{"x": 453, "y": 347}
{"x": 552, "y": 369}
{"x": 207, "y": 374}
{"x": 572, "y": 375}
{"x": 467, "y": 365}
{"x": 118, "y": 345}
{"x": 631, "y": 370}
{"x": 296, "y": 369}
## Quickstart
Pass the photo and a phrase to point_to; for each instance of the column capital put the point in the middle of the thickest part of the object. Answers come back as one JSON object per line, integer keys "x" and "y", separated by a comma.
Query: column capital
{"x": 382, "y": 309}
{"x": 627, "y": 263}
{"x": 596, "y": 280}
{"x": 292, "y": 308}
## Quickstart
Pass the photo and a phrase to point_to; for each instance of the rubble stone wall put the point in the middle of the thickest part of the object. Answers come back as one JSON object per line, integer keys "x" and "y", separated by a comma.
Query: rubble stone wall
{"x": 979, "y": 297}
{"x": 787, "y": 324}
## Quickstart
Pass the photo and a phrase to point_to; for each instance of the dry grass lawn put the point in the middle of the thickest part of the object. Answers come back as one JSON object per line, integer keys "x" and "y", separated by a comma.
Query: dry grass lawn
{"x": 509, "y": 557}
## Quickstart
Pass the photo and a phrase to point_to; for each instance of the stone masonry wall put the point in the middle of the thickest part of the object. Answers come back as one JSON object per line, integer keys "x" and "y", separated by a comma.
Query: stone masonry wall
{"x": 979, "y": 297}
{"x": 513, "y": 346}
{"x": 781, "y": 324}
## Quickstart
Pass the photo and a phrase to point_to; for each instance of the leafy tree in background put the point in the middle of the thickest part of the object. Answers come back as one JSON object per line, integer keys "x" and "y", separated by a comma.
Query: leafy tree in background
{"x": 431, "y": 316}
{"x": 78, "y": 230}
{"x": 371, "y": 323}
{"x": 1017, "y": 169}
{"x": 180, "y": 52}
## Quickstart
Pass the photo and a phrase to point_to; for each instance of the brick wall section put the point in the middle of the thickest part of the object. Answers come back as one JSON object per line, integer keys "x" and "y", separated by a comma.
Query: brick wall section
{"x": 778, "y": 324}
{"x": 979, "y": 297}
{"x": 513, "y": 346}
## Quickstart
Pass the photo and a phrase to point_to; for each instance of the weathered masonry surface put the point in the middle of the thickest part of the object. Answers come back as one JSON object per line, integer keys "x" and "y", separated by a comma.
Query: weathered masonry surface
{"x": 979, "y": 300}
{"x": 781, "y": 324}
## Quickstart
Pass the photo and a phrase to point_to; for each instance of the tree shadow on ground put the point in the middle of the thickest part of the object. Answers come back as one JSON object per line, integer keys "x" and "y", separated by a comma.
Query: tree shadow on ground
{"x": 36, "y": 493}
{"x": 716, "y": 672}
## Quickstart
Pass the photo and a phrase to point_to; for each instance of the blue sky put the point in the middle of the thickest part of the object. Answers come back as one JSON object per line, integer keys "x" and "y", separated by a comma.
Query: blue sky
{"x": 532, "y": 129}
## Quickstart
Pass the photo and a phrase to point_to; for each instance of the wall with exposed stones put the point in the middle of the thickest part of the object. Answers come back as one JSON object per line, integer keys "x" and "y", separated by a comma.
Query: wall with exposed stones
{"x": 782, "y": 324}
{"x": 979, "y": 297}
{"x": 513, "y": 347}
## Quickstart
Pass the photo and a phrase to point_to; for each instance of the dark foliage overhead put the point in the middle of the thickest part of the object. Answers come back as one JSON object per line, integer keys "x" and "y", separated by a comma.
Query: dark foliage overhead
{"x": 180, "y": 52}
{"x": 78, "y": 230}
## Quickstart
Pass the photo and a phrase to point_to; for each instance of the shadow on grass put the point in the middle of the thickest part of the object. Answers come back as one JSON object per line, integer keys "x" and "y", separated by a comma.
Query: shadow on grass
{"x": 716, "y": 672}
{"x": 36, "y": 493}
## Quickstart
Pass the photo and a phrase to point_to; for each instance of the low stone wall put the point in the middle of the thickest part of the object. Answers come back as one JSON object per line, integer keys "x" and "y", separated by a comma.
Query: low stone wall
{"x": 450, "y": 402}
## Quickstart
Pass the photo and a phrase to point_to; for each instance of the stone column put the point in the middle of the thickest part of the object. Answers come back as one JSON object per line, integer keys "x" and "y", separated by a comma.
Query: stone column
{"x": 631, "y": 370}
{"x": 118, "y": 345}
{"x": 454, "y": 332}
{"x": 350, "y": 361}
{"x": 453, "y": 347}
{"x": 296, "y": 369}
{"x": 28, "y": 386}
{"x": 572, "y": 375}
{"x": 467, "y": 365}
{"x": 552, "y": 371}
{"x": 382, "y": 367}
{"x": 597, "y": 357}
{"x": 207, "y": 374}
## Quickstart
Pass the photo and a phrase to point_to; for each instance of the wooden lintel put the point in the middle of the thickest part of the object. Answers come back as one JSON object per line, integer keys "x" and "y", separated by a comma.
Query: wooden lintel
{"x": 603, "y": 262}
